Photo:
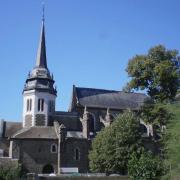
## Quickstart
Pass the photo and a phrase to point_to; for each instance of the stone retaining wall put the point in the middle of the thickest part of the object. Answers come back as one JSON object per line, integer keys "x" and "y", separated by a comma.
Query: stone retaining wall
{"x": 8, "y": 162}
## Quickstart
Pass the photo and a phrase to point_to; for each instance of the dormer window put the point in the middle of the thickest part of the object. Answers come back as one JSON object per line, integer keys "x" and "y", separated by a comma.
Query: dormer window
{"x": 40, "y": 104}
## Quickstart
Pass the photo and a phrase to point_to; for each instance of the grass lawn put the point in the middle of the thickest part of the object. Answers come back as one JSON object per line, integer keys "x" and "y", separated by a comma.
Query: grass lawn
{"x": 173, "y": 143}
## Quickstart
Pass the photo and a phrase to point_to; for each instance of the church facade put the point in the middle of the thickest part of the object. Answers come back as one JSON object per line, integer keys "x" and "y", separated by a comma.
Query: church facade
{"x": 48, "y": 140}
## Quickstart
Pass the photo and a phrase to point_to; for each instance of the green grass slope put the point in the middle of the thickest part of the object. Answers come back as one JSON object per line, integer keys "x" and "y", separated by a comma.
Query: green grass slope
{"x": 173, "y": 142}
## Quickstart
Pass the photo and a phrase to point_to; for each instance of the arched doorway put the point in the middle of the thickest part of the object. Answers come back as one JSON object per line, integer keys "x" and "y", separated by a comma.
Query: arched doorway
{"x": 47, "y": 169}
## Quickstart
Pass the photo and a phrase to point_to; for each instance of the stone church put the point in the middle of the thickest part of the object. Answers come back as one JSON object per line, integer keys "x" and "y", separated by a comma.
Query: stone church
{"x": 48, "y": 140}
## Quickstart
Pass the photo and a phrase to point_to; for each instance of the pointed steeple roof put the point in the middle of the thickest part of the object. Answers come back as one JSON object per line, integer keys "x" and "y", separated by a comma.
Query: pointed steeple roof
{"x": 41, "y": 55}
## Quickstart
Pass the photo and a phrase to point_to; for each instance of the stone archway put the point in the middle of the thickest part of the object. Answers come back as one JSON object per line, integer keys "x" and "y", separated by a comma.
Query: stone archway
{"x": 47, "y": 169}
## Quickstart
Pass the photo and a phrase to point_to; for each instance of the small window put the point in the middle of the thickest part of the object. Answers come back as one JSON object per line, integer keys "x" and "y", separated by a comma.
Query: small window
{"x": 54, "y": 148}
{"x": 76, "y": 154}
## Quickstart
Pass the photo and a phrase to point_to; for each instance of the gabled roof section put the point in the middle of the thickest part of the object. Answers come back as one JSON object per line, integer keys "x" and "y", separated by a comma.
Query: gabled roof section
{"x": 41, "y": 61}
{"x": 39, "y": 132}
{"x": 101, "y": 98}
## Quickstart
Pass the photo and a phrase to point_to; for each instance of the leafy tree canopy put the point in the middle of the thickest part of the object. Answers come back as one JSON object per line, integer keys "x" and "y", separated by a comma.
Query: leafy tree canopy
{"x": 113, "y": 146}
{"x": 10, "y": 172}
{"x": 145, "y": 167}
{"x": 156, "y": 114}
{"x": 158, "y": 72}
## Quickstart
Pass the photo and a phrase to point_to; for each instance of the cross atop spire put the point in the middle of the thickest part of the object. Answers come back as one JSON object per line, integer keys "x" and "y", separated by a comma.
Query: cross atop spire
{"x": 41, "y": 54}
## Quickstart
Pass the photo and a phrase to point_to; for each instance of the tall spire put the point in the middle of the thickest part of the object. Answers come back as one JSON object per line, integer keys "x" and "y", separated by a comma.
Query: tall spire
{"x": 41, "y": 55}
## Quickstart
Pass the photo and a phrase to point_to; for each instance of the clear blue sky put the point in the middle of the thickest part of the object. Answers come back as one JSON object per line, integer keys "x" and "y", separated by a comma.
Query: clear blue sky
{"x": 89, "y": 43}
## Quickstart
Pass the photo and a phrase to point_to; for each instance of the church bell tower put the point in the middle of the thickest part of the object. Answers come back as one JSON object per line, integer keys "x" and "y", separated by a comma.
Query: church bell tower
{"x": 39, "y": 94}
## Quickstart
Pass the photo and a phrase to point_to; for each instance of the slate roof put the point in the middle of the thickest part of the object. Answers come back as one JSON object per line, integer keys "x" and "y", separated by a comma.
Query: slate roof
{"x": 101, "y": 98}
{"x": 38, "y": 132}
{"x": 43, "y": 133}
{"x": 41, "y": 55}
{"x": 69, "y": 119}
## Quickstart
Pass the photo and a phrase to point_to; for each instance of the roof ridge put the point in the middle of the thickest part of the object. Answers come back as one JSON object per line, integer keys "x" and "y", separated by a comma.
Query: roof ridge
{"x": 110, "y": 90}
{"x": 11, "y": 121}
{"x": 96, "y": 89}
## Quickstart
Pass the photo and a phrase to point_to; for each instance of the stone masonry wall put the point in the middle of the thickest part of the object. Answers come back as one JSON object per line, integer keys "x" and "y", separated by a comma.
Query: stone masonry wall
{"x": 68, "y": 151}
{"x": 35, "y": 154}
{"x": 4, "y": 144}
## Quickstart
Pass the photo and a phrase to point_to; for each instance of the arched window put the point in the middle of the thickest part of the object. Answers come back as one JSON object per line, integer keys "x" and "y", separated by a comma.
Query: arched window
{"x": 40, "y": 104}
{"x": 53, "y": 148}
{"x": 77, "y": 154}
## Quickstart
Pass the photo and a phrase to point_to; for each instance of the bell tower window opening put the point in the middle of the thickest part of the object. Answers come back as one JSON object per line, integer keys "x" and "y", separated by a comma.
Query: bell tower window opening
{"x": 40, "y": 104}
{"x": 29, "y": 105}
{"x": 77, "y": 154}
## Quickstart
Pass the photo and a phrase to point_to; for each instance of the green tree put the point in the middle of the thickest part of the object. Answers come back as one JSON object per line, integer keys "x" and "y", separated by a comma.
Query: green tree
{"x": 158, "y": 72}
{"x": 113, "y": 146}
{"x": 156, "y": 114}
{"x": 145, "y": 167}
{"x": 10, "y": 172}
